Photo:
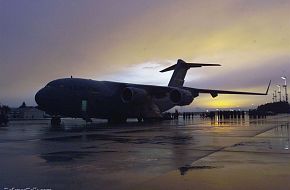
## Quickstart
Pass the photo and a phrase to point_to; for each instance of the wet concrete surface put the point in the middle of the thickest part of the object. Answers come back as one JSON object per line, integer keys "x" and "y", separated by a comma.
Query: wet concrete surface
{"x": 184, "y": 154}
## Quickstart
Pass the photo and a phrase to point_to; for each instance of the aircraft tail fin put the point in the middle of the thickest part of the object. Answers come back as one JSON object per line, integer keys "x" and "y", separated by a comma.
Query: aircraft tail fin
{"x": 180, "y": 70}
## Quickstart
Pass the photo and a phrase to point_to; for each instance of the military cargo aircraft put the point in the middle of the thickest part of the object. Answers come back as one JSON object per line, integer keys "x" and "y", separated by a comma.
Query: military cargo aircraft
{"x": 115, "y": 101}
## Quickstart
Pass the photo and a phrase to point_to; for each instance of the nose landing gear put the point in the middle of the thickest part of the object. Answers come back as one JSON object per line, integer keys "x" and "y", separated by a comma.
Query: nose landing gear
{"x": 55, "y": 121}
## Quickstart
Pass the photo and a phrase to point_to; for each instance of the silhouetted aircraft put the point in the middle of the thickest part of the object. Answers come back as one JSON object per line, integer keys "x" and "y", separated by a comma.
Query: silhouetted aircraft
{"x": 84, "y": 98}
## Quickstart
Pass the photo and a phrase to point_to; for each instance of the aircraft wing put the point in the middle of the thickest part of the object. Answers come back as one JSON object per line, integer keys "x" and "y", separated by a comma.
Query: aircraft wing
{"x": 161, "y": 91}
{"x": 215, "y": 93}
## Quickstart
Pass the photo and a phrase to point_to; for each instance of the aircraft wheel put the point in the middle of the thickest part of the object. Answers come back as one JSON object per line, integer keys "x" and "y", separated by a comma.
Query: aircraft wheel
{"x": 55, "y": 121}
{"x": 140, "y": 119}
{"x": 88, "y": 120}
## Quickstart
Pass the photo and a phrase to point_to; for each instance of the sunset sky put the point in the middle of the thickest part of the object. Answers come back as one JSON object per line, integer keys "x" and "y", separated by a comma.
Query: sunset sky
{"x": 132, "y": 40}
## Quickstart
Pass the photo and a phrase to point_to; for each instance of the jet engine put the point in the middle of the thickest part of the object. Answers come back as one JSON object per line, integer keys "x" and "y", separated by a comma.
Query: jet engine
{"x": 180, "y": 97}
{"x": 134, "y": 95}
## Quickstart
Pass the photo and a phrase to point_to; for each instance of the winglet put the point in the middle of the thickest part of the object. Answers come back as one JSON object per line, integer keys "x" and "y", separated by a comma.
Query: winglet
{"x": 268, "y": 88}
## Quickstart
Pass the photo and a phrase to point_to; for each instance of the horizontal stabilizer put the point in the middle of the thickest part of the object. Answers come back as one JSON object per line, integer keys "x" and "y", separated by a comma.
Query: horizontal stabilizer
{"x": 187, "y": 65}
{"x": 180, "y": 69}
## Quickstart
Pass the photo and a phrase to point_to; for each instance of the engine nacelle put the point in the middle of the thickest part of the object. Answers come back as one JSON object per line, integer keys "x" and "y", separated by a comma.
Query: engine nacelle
{"x": 134, "y": 95}
{"x": 180, "y": 97}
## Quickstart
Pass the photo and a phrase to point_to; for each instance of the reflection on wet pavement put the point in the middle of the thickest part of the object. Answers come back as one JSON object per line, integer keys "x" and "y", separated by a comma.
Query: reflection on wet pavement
{"x": 134, "y": 155}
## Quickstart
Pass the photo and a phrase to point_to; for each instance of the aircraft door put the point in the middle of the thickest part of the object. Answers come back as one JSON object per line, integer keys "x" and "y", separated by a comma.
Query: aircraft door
{"x": 84, "y": 106}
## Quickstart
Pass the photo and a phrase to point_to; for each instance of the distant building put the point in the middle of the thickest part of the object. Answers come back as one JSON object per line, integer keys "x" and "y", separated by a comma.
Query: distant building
{"x": 26, "y": 112}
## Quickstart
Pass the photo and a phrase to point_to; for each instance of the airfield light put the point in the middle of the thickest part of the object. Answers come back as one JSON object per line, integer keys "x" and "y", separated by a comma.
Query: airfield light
{"x": 279, "y": 92}
{"x": 285, "y": 87}
{"x": 275, "y": 95}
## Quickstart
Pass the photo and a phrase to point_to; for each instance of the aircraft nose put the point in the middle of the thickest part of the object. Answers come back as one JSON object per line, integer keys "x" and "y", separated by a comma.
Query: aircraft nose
{"x": 39, "y": 97}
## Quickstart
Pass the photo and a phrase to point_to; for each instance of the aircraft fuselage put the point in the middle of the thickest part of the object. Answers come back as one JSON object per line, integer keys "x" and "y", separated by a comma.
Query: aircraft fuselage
{"x": 83, "y": 98}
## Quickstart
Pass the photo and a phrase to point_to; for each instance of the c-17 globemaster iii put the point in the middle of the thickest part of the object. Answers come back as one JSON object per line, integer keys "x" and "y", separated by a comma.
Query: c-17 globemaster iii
{"x": 115, "y": 101}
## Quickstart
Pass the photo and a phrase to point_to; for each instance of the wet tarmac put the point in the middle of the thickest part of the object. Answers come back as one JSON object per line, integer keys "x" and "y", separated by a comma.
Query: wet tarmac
{"x": 184, "y": 154}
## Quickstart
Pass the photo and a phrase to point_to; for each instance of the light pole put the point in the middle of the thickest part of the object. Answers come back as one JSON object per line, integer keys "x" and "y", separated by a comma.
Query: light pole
{"x": 285, "y": 86}
{"x": 275, "y": 95}
{"x": 279, "y": 92}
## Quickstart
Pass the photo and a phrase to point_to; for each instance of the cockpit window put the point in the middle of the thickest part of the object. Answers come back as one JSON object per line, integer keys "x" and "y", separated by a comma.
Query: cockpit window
{"x": 49, "y": 84}
{"x": 55, "y": 84}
